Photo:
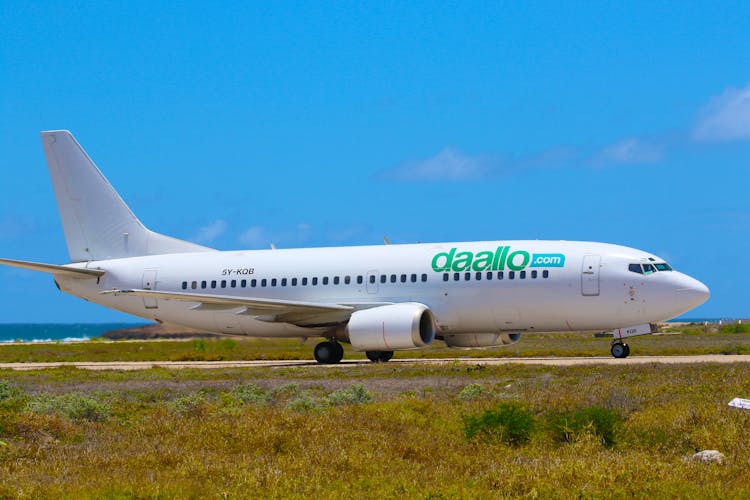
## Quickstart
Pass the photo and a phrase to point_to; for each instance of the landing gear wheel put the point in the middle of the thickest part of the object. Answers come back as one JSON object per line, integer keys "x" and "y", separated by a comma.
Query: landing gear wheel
{"x": 620, "y": 350}
{"x": 328, "y": 353}
{"x": 379, "y": 356}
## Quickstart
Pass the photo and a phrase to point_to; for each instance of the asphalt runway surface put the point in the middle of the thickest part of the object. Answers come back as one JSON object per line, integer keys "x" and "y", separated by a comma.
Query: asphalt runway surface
{"x": 551, "y": 361}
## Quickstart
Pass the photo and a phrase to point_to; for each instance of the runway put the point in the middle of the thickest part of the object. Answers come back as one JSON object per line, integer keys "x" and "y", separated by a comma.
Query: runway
{"x": 551, "y": 361}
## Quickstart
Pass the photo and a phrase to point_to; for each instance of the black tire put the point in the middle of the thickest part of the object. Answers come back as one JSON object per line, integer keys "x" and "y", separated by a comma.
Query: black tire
{"x": 379, "y": 356}
{"x": 327, "y": 353}
{"x": 339, "y": 354}
{"x": 627, "y": 350}
{"x": 619, "y": 350}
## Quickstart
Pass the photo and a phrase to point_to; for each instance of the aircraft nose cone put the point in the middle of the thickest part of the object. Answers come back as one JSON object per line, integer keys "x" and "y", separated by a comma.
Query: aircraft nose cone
{"x": 692, "y": 292}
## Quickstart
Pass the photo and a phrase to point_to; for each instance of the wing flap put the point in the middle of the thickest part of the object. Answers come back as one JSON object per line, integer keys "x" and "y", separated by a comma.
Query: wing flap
{"x": 271, "y": 310}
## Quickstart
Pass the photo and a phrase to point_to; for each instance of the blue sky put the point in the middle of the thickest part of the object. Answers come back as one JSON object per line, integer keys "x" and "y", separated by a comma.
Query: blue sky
{"x": 313, "y": 124}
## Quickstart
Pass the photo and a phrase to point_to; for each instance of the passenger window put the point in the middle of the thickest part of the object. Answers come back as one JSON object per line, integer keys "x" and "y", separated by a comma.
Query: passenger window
{"x": 233, "y": 284}
{"x": 315, "y": 281}
{"x": 273, "y": 281}
{"x": 403, "y": 278}
{"x": 413, "y": 278}
{"x": 545, "y": 274}
{"x": 325, "y": 280}
{"x": 194, "y": 285}
{"x": 533, "y": 274}
{"x": 393, "y": 278}
{"x": 294, "y": 281}
{"x": 372, "y": 278}
{"x": 359, "y": 279}
{"x": 335, "y": 280}
{"x": 263, "y": 282}
{"x": 456, "y": 276}
{"x": 383, "y": 278}
{"x": 347, "y": 280}
{"x": 283, "y": 281}
{"x": 203, "y": 284}
{"x": 445, "y": 277}
{"x": 253, "y": 283}
{"x": 511, "y": 275}
{"x": 424, "y": 278}
{"x": 478, "y": 276}
{"x": 184, "y": 285}
{"x": 304, "y": 281}
{"x": 223, "y": 283}
{"x": 500, "y": 275}
{"x": 489, "y": 275}
{"x": 213, "y": 283}
{"x": 243, "y": 283}
{"x": 467, "y": 276}
{"x": 522, "y": 275}
{"x": 635, "y": 268}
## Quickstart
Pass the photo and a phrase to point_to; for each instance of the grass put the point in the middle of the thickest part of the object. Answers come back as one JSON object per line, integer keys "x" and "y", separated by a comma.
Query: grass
{"x": 374, "y": 431}
{"x": 732, "y": 339}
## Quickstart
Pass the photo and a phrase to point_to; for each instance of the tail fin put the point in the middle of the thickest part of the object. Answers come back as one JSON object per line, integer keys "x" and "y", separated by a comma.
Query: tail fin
{"x": 98, "y": 225}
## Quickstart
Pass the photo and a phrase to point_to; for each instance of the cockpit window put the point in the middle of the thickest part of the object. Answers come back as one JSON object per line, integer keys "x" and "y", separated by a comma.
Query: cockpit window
{"x": 635, "y": 268}
{"x": 647, "y": 268}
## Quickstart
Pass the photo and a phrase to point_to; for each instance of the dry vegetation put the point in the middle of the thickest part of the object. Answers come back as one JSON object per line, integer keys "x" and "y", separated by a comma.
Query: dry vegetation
{"x": 374, "y": 431}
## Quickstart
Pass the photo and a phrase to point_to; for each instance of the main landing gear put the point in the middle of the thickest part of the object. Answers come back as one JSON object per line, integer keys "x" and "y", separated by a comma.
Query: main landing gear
{"x": 620, "y": 350}
{"x": 329, "y": 352}
{"x": 379, "y": 356}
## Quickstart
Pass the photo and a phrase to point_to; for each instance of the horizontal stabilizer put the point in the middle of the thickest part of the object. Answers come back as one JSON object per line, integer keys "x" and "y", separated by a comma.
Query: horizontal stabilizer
{"x": 70, "y": 272}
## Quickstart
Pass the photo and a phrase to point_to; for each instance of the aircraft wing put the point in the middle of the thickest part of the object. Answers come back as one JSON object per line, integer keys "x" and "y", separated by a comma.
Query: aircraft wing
{"x": 71, "y": 272}
{"x": 272, "y": 310}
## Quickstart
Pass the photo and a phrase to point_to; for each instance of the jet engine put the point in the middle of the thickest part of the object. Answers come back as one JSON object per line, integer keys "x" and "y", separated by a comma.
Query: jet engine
{"x": 481, "y": 339}
{"x": 393, "y": 327}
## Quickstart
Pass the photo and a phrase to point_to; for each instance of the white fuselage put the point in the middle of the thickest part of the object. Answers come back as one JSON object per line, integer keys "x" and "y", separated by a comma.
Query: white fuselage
{"x": 545, "y": 285}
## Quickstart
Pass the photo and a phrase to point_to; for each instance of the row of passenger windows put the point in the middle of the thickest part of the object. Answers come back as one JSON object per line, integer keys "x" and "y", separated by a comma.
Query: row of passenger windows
{"x": 314, "y": 281}
{"x": 337, "y": 280}
{"x": 489, "y": 275}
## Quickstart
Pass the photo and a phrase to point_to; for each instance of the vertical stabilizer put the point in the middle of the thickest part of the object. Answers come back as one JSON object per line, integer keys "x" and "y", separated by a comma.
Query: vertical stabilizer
{"x": 98, "y": 225}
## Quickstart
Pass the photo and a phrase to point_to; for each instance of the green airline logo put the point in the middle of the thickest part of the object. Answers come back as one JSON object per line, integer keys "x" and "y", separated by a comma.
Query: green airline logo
{"x": 499, "y": 260}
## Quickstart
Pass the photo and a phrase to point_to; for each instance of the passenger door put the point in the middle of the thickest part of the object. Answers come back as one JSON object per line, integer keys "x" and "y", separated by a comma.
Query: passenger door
{"x": 149, "y": 283}
{"x": 590, "y": 275}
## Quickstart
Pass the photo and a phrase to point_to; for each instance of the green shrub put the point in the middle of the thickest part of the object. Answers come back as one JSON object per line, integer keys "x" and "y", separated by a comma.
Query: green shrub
{"x": 303, "y": 403}
{"x": 75, "y": 406}
{"x": 470, "y": 392}
{"x": 251, "y": 394}
{"x": 188, "y": 405}
{"x": 601, "y": 422}
{"x": 511, "y": 423}
{"x": 8, "y": 391}
{"x": 354, "y": 394}
{"x": 735, "y": 328}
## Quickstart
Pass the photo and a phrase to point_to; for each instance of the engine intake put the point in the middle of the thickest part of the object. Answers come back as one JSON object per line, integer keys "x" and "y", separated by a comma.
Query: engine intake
{"x": 407, "y": 325}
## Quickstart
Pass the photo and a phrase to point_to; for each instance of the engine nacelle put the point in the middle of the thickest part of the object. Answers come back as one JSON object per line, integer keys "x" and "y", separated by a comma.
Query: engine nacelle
{"x": 389, "y": 328}
{"x": 481, "y": 339}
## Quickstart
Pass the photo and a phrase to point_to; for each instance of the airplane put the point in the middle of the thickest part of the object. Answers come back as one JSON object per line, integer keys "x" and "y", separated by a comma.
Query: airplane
{"x": 379, "y": 299}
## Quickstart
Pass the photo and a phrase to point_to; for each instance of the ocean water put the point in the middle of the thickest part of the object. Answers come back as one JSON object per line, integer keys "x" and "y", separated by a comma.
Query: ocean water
{"x": 51, "y": 332}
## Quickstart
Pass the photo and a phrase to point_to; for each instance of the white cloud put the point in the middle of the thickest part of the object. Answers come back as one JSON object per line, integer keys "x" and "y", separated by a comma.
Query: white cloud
{"x": 725, "y": 118}
{"x": 448, "y": 165}
{"x": 254, "y": 237}
{"x": 210, "y": 232}
{"x": 630, "y": 150}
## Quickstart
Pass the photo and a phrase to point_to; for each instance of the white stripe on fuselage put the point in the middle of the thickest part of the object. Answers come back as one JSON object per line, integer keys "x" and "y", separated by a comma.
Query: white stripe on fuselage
{"x": 554, "y": 303}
